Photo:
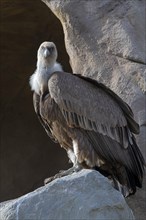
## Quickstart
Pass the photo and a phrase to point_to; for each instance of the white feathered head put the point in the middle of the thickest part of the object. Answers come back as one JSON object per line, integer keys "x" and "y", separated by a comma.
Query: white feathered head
{"x": 47, "y": 53}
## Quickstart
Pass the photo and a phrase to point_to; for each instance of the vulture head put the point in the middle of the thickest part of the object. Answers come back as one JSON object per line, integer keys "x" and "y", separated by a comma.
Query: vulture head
{"x": 47, "y": 54}
{"x": 46, "y": 65}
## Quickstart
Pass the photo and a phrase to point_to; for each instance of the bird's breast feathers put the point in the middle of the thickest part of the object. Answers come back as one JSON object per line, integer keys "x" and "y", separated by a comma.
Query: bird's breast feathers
{"x": 41, "y": 76}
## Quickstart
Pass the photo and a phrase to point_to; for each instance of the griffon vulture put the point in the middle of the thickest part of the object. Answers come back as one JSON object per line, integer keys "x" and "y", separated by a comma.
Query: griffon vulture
{"x": 88, "y": 120}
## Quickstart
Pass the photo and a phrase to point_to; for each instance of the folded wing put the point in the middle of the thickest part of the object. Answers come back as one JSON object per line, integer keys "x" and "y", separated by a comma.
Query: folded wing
{"x": 106, "y": 120}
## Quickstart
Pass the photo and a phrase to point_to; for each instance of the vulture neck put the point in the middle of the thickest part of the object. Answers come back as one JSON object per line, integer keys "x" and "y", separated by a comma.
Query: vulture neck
{"x": 39, "y": 80}
{"x": 45, "y": 65}
{"x": 44, "y": 69}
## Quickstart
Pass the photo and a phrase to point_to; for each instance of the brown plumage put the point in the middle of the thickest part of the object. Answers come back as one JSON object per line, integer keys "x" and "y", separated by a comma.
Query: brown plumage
{"x": 94, "y": 126}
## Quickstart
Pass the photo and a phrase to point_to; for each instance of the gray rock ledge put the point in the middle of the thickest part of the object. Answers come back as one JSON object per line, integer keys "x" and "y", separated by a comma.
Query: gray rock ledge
{"x": 83, "y": 195}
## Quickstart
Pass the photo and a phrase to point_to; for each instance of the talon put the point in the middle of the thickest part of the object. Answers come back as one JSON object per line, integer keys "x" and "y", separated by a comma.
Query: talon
{"x": 48, "y": 180}
{"x": 63, "y": 173}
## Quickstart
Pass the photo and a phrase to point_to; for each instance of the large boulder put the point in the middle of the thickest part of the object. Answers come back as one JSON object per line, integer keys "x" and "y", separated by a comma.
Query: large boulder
{"x": 83, "y": 195}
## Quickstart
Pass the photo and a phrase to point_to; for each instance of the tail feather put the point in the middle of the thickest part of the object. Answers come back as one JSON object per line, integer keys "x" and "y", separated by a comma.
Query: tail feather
{"x": 138, "y": 164}
{"x": 116, "y": 182}
{"x": 127, "y": 178}
{"x": 125, "y": 190}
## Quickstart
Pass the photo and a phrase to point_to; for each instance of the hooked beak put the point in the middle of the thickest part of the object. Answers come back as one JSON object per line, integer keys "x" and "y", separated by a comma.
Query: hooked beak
{"x": 46, "y": 53}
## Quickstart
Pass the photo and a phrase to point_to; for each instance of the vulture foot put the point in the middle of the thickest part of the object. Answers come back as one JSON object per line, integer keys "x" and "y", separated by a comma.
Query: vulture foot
{"x": 63, "y": 173}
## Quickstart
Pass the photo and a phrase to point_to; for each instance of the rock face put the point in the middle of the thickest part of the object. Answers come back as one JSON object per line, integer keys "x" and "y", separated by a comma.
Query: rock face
{"x": 106, "y": 41}
{"x": 84, "y": 195}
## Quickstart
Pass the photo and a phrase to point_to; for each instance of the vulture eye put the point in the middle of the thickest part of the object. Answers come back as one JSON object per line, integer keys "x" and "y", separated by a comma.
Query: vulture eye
{"x": 51, "y": 49}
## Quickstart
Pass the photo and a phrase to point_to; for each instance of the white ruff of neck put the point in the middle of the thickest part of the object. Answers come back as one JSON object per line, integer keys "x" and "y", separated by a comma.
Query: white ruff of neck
{"x": 41, "y": 75}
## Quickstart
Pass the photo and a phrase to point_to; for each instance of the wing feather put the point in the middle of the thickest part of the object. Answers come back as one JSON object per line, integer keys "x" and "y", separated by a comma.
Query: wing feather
{"x": 36, "y": 103}
{"x": 88, "y": 106}
{"x": 133, "y": 125}
{"x": 131, "y": 157}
